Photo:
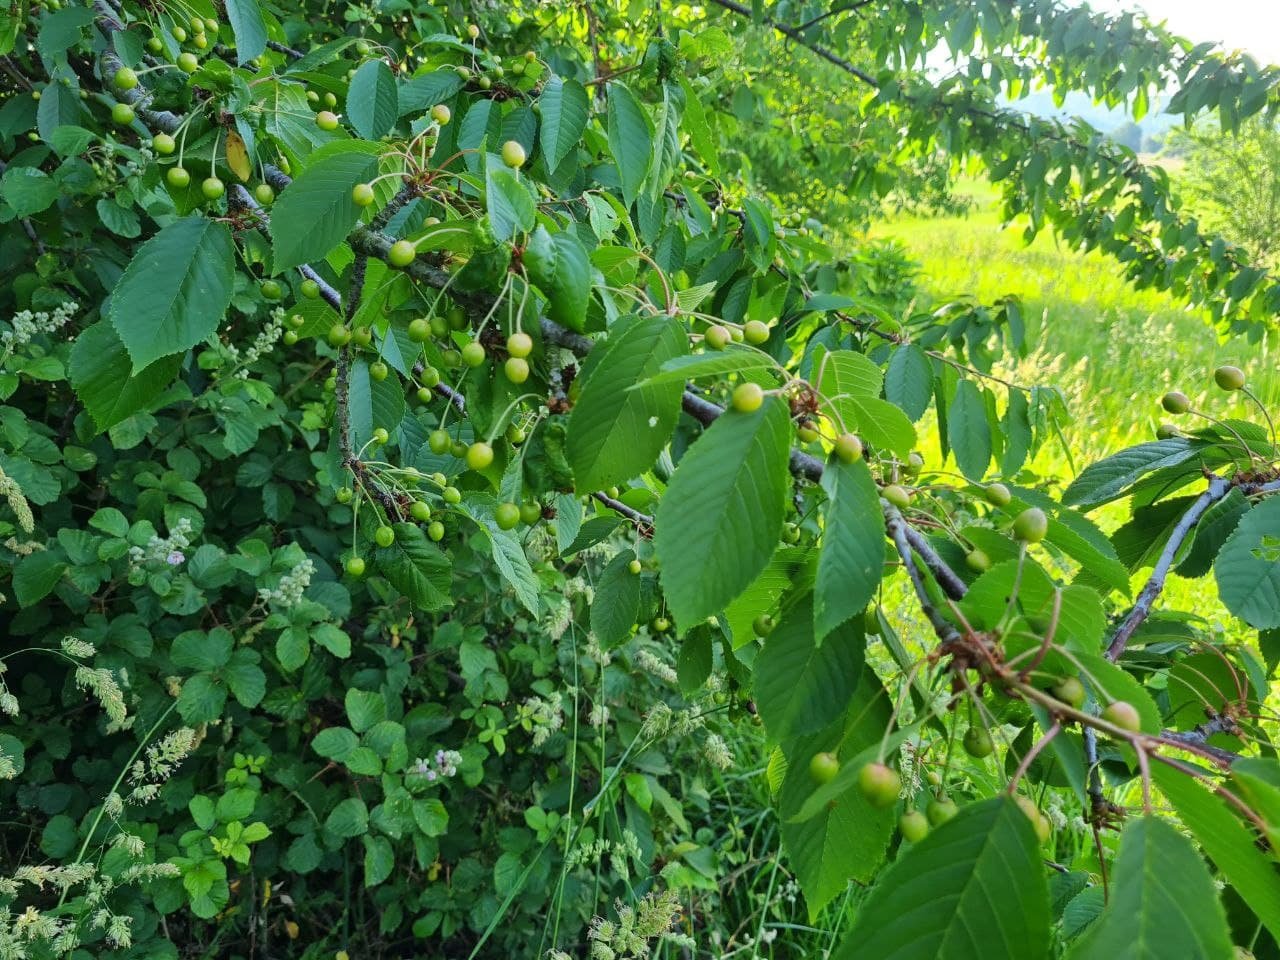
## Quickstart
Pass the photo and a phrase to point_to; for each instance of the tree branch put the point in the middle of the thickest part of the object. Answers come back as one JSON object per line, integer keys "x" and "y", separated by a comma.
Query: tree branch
{"x": 643, "y": 522}
{"x": 1218, "y": 488}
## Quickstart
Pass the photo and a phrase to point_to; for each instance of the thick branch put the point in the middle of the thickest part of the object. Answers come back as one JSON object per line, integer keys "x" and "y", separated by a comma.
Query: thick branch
{"x": 897, "y": 526}
{"x": 1218, "y": 488}
{"x": 951, "y": 584}
{"x": 643, "y": 522}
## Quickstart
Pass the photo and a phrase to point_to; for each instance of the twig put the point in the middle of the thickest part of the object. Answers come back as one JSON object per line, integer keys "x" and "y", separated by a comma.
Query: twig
{"x": 286, "y": 50}
{"x": 1054, "y": 729}
{"x": 643, "y": 522}
{"x": 1218, "y": 488}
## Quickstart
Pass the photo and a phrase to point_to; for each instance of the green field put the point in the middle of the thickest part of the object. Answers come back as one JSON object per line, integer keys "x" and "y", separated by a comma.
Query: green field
{"x": 1112, "y": 350}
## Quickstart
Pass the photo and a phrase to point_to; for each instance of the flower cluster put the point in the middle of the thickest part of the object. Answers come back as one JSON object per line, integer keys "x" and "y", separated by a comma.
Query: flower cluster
{"x": 288, "y": 592}
{"x": 653, "y": 665}
{"x": 262, "y": 344}
{"x": 13, "y": 495}
{"x": 165, "y": 550}
{"x": 27, "y": 325}
{"x": 440, "y": 767}
{"x": 630, "y": 934}
{"x": 544, "y": 717}
{"x": 149, "y": 773}
{"x": 717, "y": 752}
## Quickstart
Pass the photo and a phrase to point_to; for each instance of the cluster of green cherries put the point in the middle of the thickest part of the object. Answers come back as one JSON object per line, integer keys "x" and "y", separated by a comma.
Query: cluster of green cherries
{"x": 1228, "y": 378}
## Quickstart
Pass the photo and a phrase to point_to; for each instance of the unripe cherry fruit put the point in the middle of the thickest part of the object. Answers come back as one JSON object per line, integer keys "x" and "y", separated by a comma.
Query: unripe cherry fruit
{"x": 1175, "y": 401}
{"x": 1166, "y": 431}
{"x": 212, "y": 188}
{"x": 122, "y": 114}
{"x": 188, "y": 62}
{"x": 420, "y": 511}
{"x": 1039, "y": 822}
{"x": 264, "y": 194}
{"x": 380, "y": 435}
{"x": 763, "y": 625}
{"x": 1124, "y": 715}
{"x": 384, "y": 536}
{"x": 338, "y": 336}
{"x": 755, "y": 332}
{"x": 661, "y": 624}
{"x": 1229, "y": 378}
{"x": 479, "y": 455}
{"x": 718, "y": 337}
{"x": 441, "y": 114}
{"x": 531, "y": 513}
{"x": 420, "y": 330}
{"x": 430, "y": 377}
{"x": 327, "y": 120}
{"x": 362, "y": 194}
{"x": 401, "y": 253}
{"x": 914, "y": 826}
{"x": 436, "y": 531}
{"x": 978, "y": 743}
{"x": 940, "y": 810}
{"x": 1031, "y": 525}
{"x": 977, "y": 560}
{"x": 848, "y": 448}
{"x": 1070, "y": 691}
{"x": 451, "y": 495}
{"x": 473, "y": 353}
{"x": 439, "y": 442}
{"x": 163, "y": 144}
{"x": 997, "y": 494}
{"x": 519, "y": 344}
{"x": 513, "y": 154}
{"x": 125, "y": 79}
{"x": 355, "y": 566}
{"x": 748, "y": 397}
{"x": 897, "y": 495}
{"x": 378, "y": 370}
{"x": 516, "y": 369}
{"x": 634, "y": 567}
{"x": 177, "y": 177}
{"x": 506, "y": 516}
{"x": 807, "y": 432}
{"x": 823, "y": 767}
{"x": 879, "y": 784}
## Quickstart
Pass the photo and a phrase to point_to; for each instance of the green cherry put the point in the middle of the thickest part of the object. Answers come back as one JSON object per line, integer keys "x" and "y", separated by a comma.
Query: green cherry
{"x": 879, "y": 784}
{"x": 914, "y": 826}
{"x": 1031, "y": 525}
{"x": 401, "y": 254}
{"x": 519, "y": 344}
{"x": 362, "y": 194}
{"x": 506, "y": 516}
{"x": 748, "y": 397}
{"x": 355, "y": 566}
{"x": 848, "y": 448}
{"x": 384, "y": 536}
{"x": 479, "y": 456}
{"x": 823, "y": 767}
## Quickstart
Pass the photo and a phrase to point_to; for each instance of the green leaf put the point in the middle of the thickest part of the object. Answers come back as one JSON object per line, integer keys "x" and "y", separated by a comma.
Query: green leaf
{"x": 1110, "y": 682}
{"x": 735, "y": 358}
{"x": 35, "y": 576}
{"x": 846, "y": 838}
{"x": 335, "y": 743}
{"x": 1108, "y": 479}
{"x": 28, "y": 190}
{"x": 511, "y": 205}
{"x": 512, "y": 562}
{"x": 616, "y": 433}
{"x": 564, "y": 117}
{"x": 694, "y": 662}
{"x": 1248, "y": 567}
{"x": 350, "y": 818}
{"x": 424, "y": 92}
{"x": 801, "y": 687}
{"x": 1229, "y": 844}
{"x": 630, "y": 140}
{"x": 59, "y": 107}
{"x": 373, "y": 103}
{"x": 379, "y": 859}
{"x": 559, "y": 266}
{"x": 973, "y": 889}
{"x": 968, "y": 431}
{"x": 1163, "y": 903}
{"x": 372, "y": 403}
{"x": 315, "y": 213}
{"x": 245, "y": 679}
{"x": 365, "y": 708}
{"x": 846, "y": 375}
{"x": 416, "y": 567}
{"x": 851, "y": 558}
{"x": 175, "y": 290}
{"x": 908, "y": 380}
{"x": 617, "y": 601}
{"x": 101, "y": 375}
{"x": 1217, "y": 524}
{"x": 728, "y": 496}
{"x": 249, "y": 30}
{"x": 196, "y": 650}
{"x": 883, "y": 425}
{"x": 202, "y": 698}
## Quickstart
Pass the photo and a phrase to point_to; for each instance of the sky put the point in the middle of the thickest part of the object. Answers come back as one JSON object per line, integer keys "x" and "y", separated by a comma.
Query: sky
{"x": 1249, "y": 25}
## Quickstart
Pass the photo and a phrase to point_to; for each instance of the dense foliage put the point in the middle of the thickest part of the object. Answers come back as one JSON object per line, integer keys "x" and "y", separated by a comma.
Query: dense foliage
{"x": 465, "y": 495}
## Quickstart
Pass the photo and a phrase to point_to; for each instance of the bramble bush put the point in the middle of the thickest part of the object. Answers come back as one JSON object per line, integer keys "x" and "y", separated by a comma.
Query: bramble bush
{"x": 466, "y": 497}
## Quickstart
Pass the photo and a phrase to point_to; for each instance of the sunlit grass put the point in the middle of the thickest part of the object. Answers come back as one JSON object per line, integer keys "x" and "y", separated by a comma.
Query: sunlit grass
{"x": 1111, "y": 349}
